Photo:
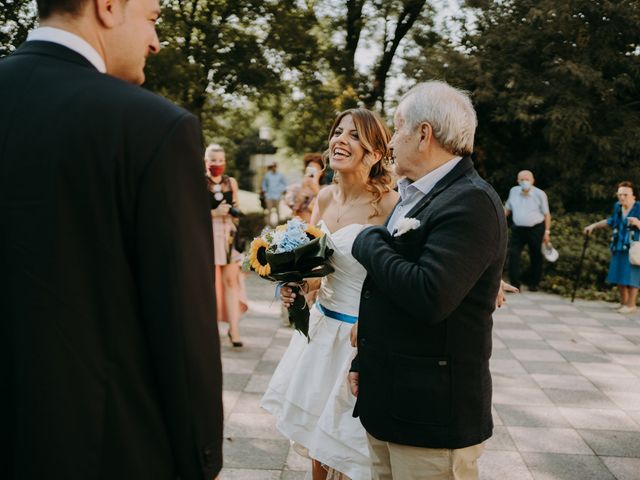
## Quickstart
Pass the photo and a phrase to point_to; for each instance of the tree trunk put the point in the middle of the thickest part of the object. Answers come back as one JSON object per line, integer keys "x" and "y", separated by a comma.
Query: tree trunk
{"x": 355, "y": 23}
{"x": 406, "y": 19}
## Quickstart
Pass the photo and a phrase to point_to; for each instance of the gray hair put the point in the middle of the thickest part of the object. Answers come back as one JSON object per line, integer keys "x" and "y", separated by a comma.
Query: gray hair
{"x": 447, "y": 109}
{"x": 212, "y": 148}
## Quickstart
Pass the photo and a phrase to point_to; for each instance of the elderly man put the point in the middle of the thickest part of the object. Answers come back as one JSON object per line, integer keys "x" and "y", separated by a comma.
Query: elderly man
{"x": 110, "y": 363}
{"x": 421, "y": 375}
{"x": 531, "y": 226}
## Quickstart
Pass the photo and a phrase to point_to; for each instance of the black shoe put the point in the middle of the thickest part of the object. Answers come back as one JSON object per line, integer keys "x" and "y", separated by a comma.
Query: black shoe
{"x": 533, "y": 288}
{"x": 235, "y": 344}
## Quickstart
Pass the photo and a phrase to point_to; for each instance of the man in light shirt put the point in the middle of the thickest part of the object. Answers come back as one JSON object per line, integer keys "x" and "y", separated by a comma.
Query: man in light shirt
{"x": 529, "y": 209}
{"x": 274, "y": 185}
{"x": 421, "y": 375}
{"x": 110, "y": 360}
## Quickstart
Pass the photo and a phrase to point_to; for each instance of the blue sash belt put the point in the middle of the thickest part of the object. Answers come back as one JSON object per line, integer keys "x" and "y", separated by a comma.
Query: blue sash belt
{"x": 343, "y": 317}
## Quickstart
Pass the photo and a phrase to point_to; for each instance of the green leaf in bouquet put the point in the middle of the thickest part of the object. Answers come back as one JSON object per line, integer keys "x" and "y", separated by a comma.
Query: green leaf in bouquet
{"x": 297, "y": 276}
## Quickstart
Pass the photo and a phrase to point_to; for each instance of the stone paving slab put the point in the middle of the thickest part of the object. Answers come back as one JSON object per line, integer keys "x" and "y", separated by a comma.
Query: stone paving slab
{"x": 566, "y": 392}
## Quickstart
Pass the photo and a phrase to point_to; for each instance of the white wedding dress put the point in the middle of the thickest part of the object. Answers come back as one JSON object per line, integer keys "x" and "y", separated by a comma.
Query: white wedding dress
{"x": 309, "y": 393}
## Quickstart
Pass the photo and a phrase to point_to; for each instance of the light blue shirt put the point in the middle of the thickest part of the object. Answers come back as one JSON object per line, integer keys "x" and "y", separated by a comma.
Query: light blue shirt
{"x": 273, "y": 185}
{"x": 412, "y": 192}
{"x": 528, "y": 209}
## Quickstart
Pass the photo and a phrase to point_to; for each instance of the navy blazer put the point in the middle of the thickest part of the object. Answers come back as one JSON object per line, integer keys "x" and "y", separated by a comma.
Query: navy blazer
{"x": 424, "y": 336}
{"x": 109, "y": 349}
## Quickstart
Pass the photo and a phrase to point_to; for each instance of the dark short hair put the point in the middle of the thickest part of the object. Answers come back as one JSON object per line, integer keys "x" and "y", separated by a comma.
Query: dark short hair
{"x": 48, "y": 7}
{"x": 630, "y": 185}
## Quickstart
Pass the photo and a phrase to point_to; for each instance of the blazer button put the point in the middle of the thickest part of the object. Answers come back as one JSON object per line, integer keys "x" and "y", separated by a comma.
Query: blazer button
{"x": 367, "y": 293}
{"x": 363, "y": 342}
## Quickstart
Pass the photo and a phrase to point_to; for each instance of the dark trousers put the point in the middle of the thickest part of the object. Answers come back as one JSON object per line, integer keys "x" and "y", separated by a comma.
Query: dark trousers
{"x": 532, "y": 238}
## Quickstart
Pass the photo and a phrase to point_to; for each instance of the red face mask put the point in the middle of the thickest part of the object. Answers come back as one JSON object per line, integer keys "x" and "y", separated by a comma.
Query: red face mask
{"x": 216, "y": 170}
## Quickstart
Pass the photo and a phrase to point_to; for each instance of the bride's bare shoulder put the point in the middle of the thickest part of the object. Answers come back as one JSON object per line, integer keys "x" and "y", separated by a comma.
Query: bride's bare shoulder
{"x": 325, "y": 195}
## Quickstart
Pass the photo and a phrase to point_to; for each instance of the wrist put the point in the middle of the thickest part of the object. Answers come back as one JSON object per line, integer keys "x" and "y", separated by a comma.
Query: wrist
{"x": 547, "y": 232}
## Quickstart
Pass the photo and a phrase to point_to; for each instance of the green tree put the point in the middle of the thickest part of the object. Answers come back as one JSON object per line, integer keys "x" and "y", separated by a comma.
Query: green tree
{"x": 556, "y": 86}
{"x": 230, "y": 50}
{"x": 384, "y": 23}
{"x": 330, "y": 81}
{"x": 17, "y": 17}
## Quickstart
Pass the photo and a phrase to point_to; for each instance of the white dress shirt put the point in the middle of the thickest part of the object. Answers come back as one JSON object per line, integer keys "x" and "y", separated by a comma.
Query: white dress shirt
{"x": 412, "y": 192}
{"x": 71, "y": 41}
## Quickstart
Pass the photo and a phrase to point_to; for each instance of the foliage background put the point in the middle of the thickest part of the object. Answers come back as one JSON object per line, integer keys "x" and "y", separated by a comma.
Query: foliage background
{"x": 556, "y": 84}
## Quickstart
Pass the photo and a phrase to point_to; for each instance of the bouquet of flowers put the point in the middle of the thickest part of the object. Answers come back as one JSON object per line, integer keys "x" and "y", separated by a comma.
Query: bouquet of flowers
{"x": 288, "y": 254}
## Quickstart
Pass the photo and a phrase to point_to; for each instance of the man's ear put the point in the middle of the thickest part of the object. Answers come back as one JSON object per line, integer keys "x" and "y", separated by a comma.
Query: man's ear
{"x": 109, "y": 12}
{"x": 426, "y": 132}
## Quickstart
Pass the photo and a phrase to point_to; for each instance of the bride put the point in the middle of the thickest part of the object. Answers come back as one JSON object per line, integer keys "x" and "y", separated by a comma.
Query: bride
{"x": 309, "y": 393}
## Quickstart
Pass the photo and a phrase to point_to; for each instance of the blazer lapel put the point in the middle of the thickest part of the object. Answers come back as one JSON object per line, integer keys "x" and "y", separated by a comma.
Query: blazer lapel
{"x": 463, "y": 167}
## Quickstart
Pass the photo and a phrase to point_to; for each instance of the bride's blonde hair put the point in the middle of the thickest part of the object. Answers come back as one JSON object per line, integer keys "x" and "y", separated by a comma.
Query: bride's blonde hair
{"x": 374, "y": 136}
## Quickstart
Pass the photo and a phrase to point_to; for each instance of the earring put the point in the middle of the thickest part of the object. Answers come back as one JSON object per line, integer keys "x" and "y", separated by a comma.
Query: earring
{"x": 388, "y": 160}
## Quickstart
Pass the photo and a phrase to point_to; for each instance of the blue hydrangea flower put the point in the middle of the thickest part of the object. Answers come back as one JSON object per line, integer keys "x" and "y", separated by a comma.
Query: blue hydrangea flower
{"x": 287, "y": 240}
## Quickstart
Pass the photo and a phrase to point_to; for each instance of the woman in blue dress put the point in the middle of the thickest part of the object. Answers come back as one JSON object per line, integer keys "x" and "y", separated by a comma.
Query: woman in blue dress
{"x": 625, "y": 225}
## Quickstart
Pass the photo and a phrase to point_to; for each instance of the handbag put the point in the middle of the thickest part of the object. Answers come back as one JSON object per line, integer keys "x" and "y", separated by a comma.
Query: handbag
{"x": 634, "y": 253}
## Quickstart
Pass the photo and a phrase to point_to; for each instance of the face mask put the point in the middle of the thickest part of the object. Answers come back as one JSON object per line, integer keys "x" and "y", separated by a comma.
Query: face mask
{"x": 526, "y": 185}
{"x": 216, "y": 170}
{"x": 311, "y": 171}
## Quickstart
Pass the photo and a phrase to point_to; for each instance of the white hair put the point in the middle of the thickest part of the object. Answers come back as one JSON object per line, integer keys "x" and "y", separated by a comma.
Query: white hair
{"x": 212, "y": 148}
{"x": 447, "y": 109}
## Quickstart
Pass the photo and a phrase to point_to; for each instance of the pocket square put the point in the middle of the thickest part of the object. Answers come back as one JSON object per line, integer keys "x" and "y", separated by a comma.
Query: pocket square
{"x": 405, "y": 225}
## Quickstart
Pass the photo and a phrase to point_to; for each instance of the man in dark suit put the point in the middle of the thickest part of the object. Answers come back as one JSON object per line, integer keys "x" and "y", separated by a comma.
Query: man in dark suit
{"x": 110, "y": 364}
{"x": 424, "y": 339}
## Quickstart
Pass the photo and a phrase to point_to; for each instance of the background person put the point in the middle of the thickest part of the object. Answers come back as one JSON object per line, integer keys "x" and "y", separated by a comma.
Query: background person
{"x": 274, "y": 184}
{"x": 625, "y": 225}
{"x": 302, "y": 196}
{"x": 110, "y": 360}
{"x": 529, "y": 208}
{"x": 223, "y": 192}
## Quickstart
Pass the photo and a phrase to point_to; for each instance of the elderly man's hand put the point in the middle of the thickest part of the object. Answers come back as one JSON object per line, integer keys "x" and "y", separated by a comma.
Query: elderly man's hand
{"x": 504, "y": 287}
{"x": 634, "y": 222}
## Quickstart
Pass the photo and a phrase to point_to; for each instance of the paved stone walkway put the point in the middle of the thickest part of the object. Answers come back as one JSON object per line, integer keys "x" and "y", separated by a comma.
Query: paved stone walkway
{"x": 566, "y": 393}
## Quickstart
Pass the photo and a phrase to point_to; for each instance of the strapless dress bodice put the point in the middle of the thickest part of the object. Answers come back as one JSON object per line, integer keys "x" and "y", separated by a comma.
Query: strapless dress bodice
{"x": 340, "y": 290}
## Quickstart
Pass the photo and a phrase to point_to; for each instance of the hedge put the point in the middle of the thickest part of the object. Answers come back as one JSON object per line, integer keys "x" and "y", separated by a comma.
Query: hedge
{"x": 568, "y": 238}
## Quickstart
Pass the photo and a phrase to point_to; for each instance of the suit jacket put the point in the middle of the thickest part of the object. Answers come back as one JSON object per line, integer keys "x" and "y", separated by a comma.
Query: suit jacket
{"x": 110, "y": 362}
{"x": 424, "y": 335}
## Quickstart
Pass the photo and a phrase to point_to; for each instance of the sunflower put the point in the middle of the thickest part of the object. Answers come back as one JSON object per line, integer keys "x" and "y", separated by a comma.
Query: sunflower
{"x": 258, "y": 257}
{"x": 313, "y": 231}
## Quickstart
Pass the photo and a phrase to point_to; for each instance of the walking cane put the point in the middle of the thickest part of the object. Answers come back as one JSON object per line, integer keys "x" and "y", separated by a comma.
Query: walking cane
{"x": 579, "y": 268}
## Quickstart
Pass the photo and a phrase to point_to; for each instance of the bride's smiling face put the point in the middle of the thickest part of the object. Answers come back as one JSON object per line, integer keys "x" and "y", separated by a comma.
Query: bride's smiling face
{"x": 345, "y": 150}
